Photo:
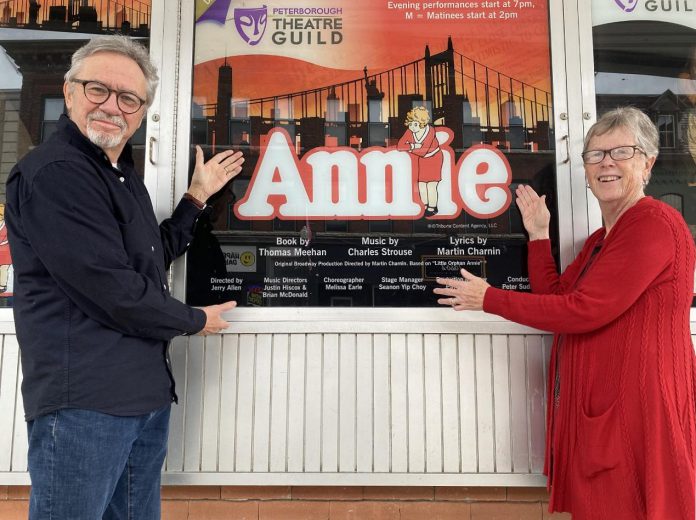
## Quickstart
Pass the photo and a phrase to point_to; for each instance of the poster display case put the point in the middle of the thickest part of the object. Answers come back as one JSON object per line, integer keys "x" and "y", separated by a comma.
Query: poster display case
{"x": 383, "y": 144}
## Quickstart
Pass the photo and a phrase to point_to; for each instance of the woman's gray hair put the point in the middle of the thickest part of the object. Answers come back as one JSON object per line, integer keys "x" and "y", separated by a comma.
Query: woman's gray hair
{"x": 633, "y": 120}
{"x": 118, "y": 44}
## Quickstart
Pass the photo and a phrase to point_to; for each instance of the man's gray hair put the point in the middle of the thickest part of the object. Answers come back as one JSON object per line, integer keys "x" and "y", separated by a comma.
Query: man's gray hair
{"x": 118, "y": 44}
{"x": 633, "y": 120}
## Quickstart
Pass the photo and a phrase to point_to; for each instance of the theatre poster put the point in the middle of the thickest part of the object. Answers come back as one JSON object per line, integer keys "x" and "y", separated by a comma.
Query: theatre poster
{"x": 383, "y": 144}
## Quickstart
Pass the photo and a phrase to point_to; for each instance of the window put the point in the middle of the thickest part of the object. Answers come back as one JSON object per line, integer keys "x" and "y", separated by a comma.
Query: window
{"x": 675, "y": 200}
{"x": 665, "y": 126}
{"x": 53, "y": 108}
{"x": 374, "y": 161}
{"x": 647, "y": 59}
{"x": 636, "y": 65}
{"x": 37, "y": 42}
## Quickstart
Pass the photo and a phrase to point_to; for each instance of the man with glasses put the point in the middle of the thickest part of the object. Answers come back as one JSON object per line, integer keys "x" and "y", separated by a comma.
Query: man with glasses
{"x": 92, "y": 307}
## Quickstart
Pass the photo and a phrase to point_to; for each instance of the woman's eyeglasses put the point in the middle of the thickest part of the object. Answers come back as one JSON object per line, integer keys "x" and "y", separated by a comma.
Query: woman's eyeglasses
{"x": 620, "y": 153}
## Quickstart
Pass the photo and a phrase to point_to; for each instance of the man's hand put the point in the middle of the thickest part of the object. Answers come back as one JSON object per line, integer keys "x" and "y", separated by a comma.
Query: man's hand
{"x": 535, "y": 214}
{"x": 208, "y": 178}
{"x": 462, "y": 295}
{"x": 214, "y": 322}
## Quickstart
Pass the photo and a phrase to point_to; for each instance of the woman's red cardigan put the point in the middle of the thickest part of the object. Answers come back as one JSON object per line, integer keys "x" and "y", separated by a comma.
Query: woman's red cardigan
{"x": 621, "y": 436}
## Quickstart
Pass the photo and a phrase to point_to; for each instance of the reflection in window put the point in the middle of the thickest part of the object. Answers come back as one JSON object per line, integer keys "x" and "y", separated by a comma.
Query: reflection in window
{"x": 138, "y": 138}
{"x": 32, "y": 66}
{"x": 338, "y": 226}
{"x": 283, "y": 225}
{"x": 37, "y": 40}
{"x": 9, "y": 134}
{"x": 380, "y": 226}
{"x": 239, "y": 187}
{"x": 53, "y": 108}
{"x": 675, "y": 200}
{"x": 665, "y": 126}
{"x": 199, "y": 124}
{"x": 95, "y": 16}
{"x": 341, "y": 301}
{"x": 635, "y": 65}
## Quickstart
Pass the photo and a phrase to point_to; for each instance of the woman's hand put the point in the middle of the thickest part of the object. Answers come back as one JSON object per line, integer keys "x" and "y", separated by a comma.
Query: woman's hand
{"x": 535, "y": 214}
{"x": 208, "y": 178}
{"x": 462, "y": 295}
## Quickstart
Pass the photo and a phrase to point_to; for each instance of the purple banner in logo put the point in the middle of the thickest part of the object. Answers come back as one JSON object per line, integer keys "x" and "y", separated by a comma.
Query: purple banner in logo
{"x": 217, "y": 12}
{"x": 627, "y": 5}
{"x": 250, "y": 23}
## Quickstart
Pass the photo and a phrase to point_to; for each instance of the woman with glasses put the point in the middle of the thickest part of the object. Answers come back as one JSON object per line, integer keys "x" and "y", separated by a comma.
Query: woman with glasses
{"x": 621, "y": 411}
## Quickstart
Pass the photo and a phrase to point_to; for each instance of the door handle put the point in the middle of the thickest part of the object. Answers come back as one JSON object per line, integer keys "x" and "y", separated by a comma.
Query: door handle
{"x": 151, "y": 150}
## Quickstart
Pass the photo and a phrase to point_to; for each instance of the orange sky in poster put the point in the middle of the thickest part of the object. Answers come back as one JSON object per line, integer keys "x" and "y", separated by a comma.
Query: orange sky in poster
{"x": 380, "y": 38}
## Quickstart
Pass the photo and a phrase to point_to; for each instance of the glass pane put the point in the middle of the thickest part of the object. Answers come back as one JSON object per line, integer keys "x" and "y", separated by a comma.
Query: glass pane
{"x": 645, "y": 56}
{"x": 53, "y": 108}
{"x": 49, "y": 127}
{"x": 674, "y": 200}
{"x": 36, "y": 42}
{"x": 665, "y": 126}
{"x": 387, "y": 154}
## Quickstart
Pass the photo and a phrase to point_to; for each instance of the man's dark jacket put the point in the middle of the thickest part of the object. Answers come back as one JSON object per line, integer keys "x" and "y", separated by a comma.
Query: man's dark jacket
{"x": 92, "y": 308}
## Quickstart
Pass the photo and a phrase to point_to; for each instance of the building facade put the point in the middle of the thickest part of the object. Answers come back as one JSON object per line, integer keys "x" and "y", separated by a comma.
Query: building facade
{"x": 341, "y": 390}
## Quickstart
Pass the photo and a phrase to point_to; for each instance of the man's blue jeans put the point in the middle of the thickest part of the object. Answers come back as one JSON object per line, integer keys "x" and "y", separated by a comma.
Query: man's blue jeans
{"x": 87, "y": 465}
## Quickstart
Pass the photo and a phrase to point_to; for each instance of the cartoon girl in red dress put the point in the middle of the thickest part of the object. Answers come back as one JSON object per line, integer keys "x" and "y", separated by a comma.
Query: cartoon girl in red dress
{"x": 420, "y": 141}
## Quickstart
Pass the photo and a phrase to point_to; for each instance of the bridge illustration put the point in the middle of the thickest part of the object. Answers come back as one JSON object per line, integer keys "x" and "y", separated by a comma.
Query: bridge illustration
{"x": 480, "y": 104}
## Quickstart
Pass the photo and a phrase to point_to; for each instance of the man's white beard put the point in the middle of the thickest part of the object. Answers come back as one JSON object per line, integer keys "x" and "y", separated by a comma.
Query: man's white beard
{"x": 105, "y": 140}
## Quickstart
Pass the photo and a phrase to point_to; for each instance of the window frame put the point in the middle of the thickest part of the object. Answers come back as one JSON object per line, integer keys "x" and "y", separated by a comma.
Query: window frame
{"x": 571, "y": 190}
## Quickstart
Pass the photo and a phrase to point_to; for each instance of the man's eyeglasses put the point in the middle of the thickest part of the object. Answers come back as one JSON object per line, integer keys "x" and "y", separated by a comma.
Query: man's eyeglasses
{"x": 620, "y": 153}
{"x": 98, "y": 93}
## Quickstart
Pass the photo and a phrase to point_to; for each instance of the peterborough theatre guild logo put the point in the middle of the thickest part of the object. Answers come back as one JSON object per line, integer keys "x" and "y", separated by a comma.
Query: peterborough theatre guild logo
{"x": 290, "y": 25}
{"x": 627, "y": 5}
{"x": 251, "y": 23}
